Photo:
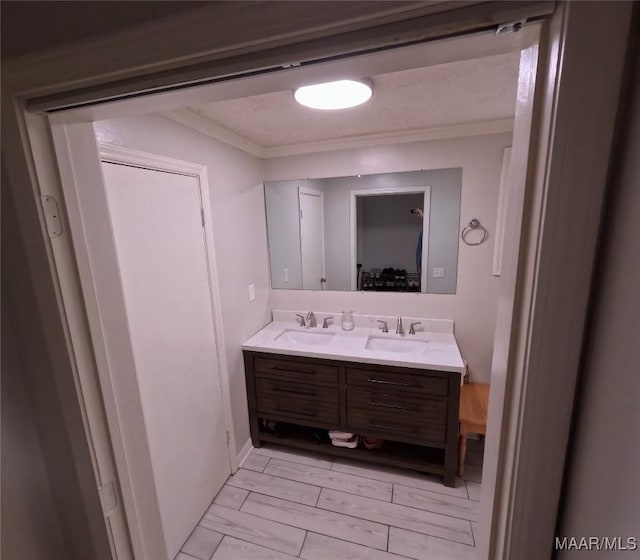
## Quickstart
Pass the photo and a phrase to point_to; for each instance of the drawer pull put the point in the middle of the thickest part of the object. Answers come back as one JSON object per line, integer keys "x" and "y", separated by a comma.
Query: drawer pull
{"x": 297, "y": 370}
{"x": 289, "y": 411}
{"x": 386, "y": 405}
{"x": 389, "y": 428}
{"x": 309, "y": 393}
{"x": 383, "y": 382}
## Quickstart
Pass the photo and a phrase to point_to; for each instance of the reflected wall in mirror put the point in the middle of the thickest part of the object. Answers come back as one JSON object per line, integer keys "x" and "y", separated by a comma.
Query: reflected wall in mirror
{"x": 320, "y": 230}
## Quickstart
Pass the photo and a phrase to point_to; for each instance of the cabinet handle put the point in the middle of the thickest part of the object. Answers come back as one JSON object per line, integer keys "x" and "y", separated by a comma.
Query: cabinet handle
{"x": 310, "y": 393}
{"x": 286, "y": 410}
{"x": 389, "y": 428}
{"x": 383, "y": 382}
{"x": 386, "y": 405}
{"x": 297, "y": 370}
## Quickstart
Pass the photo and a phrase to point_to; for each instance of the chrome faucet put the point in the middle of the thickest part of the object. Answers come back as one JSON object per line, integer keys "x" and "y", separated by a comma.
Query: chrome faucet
{"x": 301, "y": 317}
{"x": 412, "y": 329}
{"x": 399, "y": 329}
{"x": 311, "y": 319}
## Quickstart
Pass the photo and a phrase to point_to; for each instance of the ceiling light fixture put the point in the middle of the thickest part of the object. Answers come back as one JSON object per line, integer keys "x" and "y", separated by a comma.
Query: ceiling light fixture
{"x": 334, "y": 95}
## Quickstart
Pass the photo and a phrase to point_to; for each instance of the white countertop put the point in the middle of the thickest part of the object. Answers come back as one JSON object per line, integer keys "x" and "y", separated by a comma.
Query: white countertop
{"x": 440, "y": 352}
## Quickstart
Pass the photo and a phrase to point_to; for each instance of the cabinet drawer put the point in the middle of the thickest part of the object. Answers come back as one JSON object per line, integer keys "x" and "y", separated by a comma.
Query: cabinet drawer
{"x": 307, "y": 411}
{"x": 371, "y": 378}
{"x": 296, "y": 371}
{"x": 288, "y": 391}
{"x": 423, "y": 408}
{"x": 402, "y": 427}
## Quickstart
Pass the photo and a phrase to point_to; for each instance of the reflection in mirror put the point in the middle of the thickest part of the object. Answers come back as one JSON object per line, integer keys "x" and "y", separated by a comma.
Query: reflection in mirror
{"x": 358, "y": 233}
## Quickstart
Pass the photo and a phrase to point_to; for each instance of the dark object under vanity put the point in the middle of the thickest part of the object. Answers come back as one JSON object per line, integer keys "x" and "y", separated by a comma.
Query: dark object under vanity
{"x": 414, "y": 410}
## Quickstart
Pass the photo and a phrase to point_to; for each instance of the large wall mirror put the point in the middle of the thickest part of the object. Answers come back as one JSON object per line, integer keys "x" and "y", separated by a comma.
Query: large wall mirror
{"x": 384, "y": 232}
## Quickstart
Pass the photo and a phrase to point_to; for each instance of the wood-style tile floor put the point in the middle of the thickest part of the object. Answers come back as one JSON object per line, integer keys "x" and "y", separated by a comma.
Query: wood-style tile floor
{"x": 285, "y": 504}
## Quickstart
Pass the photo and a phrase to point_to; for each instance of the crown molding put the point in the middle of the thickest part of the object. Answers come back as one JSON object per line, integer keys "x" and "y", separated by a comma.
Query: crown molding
{"x": 196, "y": 121}
{"x": 477, "y": 128}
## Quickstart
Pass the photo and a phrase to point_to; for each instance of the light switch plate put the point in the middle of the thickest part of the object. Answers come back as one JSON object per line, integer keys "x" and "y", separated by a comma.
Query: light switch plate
{"x": 252, "y": 292}
{"x": 438, "y": 272}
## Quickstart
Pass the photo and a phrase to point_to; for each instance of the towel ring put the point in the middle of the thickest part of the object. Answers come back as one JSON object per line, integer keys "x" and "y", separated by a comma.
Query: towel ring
{"x": 472, "y": 226}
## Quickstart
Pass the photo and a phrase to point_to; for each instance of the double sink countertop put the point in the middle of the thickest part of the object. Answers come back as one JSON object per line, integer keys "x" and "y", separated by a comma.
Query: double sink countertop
{"x": 433, "y": 347}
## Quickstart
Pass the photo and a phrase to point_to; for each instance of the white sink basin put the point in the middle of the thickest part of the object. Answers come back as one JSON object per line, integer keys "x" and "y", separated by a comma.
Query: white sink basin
{"x": 397, "y": 345}
{"x": 305, "y": 337}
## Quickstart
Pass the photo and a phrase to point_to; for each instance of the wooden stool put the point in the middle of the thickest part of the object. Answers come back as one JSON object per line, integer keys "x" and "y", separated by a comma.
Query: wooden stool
{"x": 474, "y": 402}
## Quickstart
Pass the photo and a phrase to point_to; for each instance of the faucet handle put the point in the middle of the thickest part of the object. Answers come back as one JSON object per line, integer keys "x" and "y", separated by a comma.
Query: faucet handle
{"x": 325, "y": 322}
{"x": 311, "y": 319}
{"x": 412, "y": 330}
{"x": 301, "y": 317}
{"x": 385, "y": 328}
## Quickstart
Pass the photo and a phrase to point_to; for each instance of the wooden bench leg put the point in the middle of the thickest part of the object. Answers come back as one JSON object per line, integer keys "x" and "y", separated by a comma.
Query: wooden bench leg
{"x": 463, "y": 451}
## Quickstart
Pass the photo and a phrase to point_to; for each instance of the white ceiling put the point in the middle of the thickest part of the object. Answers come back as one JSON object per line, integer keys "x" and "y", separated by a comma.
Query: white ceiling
{"x": 454, "y": 93}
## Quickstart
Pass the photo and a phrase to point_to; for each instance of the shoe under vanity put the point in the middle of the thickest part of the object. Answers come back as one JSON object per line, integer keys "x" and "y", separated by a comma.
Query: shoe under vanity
{"x": 379, "y": 383}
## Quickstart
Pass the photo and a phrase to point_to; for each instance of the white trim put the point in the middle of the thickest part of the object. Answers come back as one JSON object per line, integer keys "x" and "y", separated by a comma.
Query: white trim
{"x": 195, "y": 121}
{"x": 503, "y": 202}
{"x": 205, "y": 125}
{"x": 353, "y": 227}
{"x": 243, "y": 454}
{"x": 478, "y": 128}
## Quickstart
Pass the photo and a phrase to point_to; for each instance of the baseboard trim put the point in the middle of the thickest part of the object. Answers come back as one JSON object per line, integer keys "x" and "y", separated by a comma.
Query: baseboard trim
{"x": 244, "y": 453}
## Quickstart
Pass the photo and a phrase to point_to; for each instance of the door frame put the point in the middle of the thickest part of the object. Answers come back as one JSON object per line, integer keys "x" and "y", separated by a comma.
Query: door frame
{"x": 79, "y": 159}
{"x": 353, "y": 226}
{"x": 569, "y": 156}
{"x": 318, "y": 193}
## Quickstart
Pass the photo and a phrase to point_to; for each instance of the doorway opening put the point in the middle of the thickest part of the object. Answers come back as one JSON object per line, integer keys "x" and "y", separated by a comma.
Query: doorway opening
{"x": 70, "y": 135}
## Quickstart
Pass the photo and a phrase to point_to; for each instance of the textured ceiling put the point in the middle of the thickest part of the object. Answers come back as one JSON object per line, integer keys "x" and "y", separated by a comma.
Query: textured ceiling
{"x": 454, "y": 93}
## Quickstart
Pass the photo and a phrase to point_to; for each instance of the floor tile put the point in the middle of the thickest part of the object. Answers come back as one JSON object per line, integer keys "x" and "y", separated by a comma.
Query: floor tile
{"x": 235, "y": 549}
{"x": 321, "y": 547}
{"x": 331, "y": 479}
{"x": 255, "y": 462}
{"x": 475, "y": 527}
{"x": 473, "y": 488}
{"x": 254, "y": 529}
{"x": 202, "y": 543}
{"x": 231, "y": 497}
{"x": 438, "y": 503}
{"x": 424, "y": 547}
{"x": 399, "y": 516}
{"x": 276, "y": 487}
{"x": 294, "y": 456}
{"x": 327, "y": 523}
{"x": 183, "y": 556}
{"x": 400, "y": 476}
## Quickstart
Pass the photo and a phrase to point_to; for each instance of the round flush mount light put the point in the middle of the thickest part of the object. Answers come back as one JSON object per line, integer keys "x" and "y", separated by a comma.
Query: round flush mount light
{"x": 329, "y": 96}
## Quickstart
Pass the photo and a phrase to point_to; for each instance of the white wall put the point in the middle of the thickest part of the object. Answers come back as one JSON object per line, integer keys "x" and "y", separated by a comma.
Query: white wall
{"x": 602, "y": 497}
{"x": 473, "y": 306}
{"x": 237, "y": 206}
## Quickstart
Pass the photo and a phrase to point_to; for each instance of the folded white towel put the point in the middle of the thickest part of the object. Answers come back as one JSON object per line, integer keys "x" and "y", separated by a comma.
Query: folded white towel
{"x": 334, "y": 434}
{"x": 351, "y": 444}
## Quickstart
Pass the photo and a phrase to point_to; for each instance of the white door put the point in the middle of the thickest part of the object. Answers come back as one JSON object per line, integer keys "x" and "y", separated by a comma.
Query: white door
{"x": 161, "y": 251}
{"x": 311, "y": 238}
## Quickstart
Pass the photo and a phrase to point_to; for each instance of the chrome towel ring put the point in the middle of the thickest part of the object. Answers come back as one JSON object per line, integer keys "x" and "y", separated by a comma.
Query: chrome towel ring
{"x": 473, "y": 226}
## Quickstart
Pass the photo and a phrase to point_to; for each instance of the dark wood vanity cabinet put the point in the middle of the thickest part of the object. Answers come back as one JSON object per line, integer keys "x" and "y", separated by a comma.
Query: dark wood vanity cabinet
{"x": 415, "y": 411}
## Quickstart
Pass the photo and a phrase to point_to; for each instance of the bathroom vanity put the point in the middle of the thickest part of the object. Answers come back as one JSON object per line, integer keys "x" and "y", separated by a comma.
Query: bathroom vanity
{"x": 403, "y": 389}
